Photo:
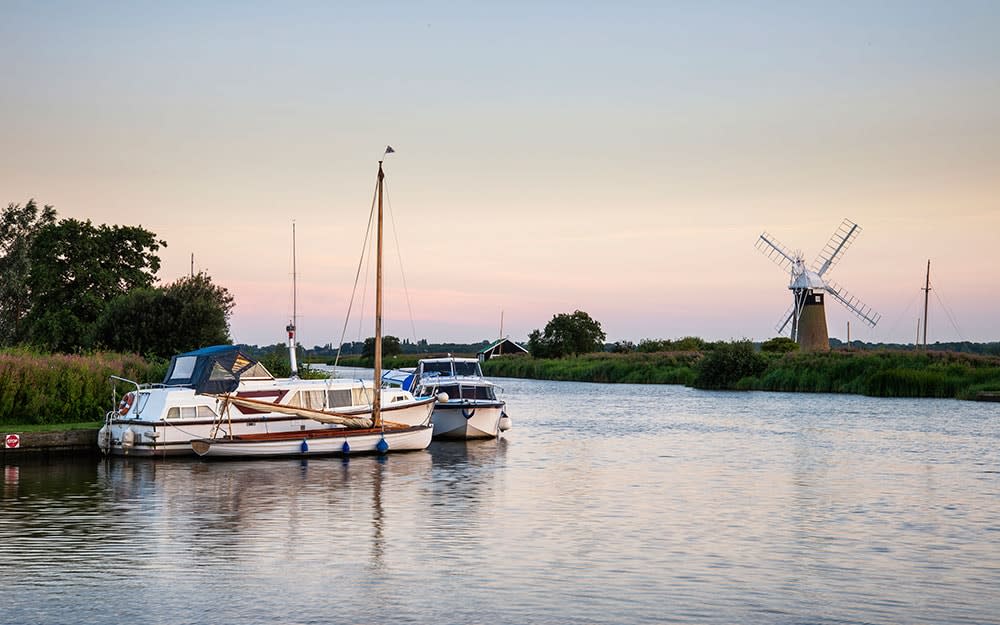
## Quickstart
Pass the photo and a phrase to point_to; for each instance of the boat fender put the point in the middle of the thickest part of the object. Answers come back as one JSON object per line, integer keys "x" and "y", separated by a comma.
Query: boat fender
{"x": 345, "y": 448}
{"x": 467, "y": 413}
{"x": 126, "y": 403}
{"x": 381, "y": 446}
{"x": 104, "y": 439}
{"x": 128, "y": 439}
{"x": 505, "y": 422}
{"x": 304, "y": 447}
{"x": 442, "y": 397}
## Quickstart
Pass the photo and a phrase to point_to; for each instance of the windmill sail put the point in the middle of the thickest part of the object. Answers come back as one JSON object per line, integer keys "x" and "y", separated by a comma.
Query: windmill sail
{"x": 858, "y": 307}
{"x": 834, "y": 250}
{"x": 785, "y": 319}
{"x": 782, "y": 256}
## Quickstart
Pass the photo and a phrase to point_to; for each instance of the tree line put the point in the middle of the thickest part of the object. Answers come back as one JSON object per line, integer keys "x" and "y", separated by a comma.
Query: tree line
{"x": 72, "y": 286}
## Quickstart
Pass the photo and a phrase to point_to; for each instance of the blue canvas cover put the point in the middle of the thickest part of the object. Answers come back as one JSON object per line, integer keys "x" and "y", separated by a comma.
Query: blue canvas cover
{"x": 211, "y": 370}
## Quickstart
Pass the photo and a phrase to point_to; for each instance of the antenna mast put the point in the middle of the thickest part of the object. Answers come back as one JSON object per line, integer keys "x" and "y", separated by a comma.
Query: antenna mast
{"x": 292, "y": 347}
{"x": 926, "y": 290}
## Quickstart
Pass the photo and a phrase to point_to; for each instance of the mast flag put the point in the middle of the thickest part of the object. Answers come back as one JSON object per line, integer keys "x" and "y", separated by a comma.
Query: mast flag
{"x": 389, "y": 150}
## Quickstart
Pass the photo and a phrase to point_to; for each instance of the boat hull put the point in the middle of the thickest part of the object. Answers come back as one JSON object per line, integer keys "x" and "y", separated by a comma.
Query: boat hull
{"x": 169, "y": 438}
{"x": 317, "y": 443}
{"x": 464, "y": 421}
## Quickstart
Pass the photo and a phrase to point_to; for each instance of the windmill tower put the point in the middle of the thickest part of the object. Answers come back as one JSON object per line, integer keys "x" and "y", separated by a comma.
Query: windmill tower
{"x": 808, "y": 285}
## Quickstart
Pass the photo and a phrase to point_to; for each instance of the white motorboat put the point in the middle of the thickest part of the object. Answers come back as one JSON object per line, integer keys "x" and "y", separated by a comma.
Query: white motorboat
{"x": 467, "y": 405}
{"x": 220, "y": 391}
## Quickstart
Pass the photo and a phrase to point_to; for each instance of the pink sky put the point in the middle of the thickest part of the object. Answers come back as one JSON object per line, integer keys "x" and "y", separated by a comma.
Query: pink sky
{"x": 620, "y": 160}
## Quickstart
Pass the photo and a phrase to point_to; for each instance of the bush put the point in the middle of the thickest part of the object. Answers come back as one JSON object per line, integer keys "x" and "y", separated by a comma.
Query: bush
{"x": 727, "y": 364}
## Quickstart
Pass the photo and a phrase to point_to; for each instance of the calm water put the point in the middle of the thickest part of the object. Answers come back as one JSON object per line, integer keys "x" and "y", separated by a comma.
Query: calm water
{"x": 604, "y": 504}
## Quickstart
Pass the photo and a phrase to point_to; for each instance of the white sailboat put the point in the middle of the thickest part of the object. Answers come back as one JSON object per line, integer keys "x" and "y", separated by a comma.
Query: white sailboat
{"x": 340, "y": 431}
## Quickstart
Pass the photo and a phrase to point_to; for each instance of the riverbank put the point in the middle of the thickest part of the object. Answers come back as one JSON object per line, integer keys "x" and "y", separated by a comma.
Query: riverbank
{"x": 41, "y": 444}
{"x": 737, "y": 366}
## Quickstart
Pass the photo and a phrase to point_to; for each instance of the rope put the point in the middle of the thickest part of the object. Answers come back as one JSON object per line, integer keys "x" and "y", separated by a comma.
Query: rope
{"x": 948, "y": 313}
{"x": 399, "y": 257}
{"x": 357, "y": 276}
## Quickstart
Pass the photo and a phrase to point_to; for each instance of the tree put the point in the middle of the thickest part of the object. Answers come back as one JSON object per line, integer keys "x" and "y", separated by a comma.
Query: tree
{"x": 19, "y": 225}
{"x": 189, "y": 313}
{"x": 565, "y": 335}
{"x": 390, "y": 347}
{"x": 727, "y": 364}
{"x": 779, "y": 345}
{"x": 76, "y": 269}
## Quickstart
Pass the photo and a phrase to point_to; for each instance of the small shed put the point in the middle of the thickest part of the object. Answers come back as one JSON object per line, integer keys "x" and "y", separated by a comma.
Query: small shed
{"x": 503, "y": 347}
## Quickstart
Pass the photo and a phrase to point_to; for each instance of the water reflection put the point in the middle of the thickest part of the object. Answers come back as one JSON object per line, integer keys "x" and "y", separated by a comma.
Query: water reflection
{"x": 604, "y": 505}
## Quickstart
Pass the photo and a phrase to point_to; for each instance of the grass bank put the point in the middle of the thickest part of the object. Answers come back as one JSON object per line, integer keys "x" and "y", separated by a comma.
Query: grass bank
{"x": 47, "y": 389}
{"x": 634, "y": 368}
{"x": 881, "y": 374}
{"x": 735, "y": 366}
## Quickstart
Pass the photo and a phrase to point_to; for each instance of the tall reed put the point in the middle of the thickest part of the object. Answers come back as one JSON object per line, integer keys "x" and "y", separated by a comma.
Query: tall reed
{"x": 41, "y": 389}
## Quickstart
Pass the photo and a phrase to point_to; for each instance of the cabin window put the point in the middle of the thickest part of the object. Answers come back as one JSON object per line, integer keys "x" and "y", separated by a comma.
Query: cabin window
{"x": 467, "y": 368}
{"x": 340, "y": 398}
{"x": 183, "y": 366}
{"x": 467, "y": 392}
{"x": 256, "y": 372}
{"x": 191, "y": 412}
{"x": 313, "y": 400}
{"x": 440, "y": 368}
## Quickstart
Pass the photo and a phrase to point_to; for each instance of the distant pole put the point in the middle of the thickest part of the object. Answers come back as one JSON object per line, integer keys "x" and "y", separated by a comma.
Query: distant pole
{"x": 848, "y": 335}
{"x": 192, "y": 264}
{"x": 916, "y": 341}
{"x": 927, "y": 290}
{"x": 295, "y": 316}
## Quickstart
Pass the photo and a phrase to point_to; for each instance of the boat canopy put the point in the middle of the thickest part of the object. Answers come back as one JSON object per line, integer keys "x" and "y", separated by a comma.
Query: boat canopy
{"x": 215, "y": 369}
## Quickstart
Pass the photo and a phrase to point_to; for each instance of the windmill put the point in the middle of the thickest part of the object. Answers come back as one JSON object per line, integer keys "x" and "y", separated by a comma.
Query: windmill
{"x": 808, "y": 285}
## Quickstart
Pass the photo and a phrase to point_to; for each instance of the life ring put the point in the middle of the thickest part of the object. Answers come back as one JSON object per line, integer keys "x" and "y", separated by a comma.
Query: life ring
{"x": 126, "y": 403}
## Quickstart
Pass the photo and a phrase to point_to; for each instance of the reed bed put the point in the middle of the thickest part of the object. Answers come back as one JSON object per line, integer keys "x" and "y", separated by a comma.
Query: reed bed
{"x": 734, "y": 366}
{"x": 42, "y": 389}
{"x": 881, "y": 374}
{"x": 632, "y": 368}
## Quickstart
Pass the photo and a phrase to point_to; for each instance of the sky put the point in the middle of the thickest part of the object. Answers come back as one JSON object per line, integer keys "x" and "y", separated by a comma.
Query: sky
{"x": 617, "y": 158}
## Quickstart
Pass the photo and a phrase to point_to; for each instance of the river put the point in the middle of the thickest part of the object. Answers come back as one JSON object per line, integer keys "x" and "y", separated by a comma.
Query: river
{"x": 614, "y": 504}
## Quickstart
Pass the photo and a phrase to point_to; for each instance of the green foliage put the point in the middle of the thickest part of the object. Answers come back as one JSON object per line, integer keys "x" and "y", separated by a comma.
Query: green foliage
{"x": 19, "y": 225}
{"x": 686, "y": 344}
{"x": 726, "y": 365}
{"x": 390, "y": 347}
{"x": 883, "y": 373}
{"x": 47, "y": 389}
{"x": 75, "y": 269}
{"x": 633, "y": 368}
{"x": 779, "y": 345}
{"x": 391, "y": 362}
{"x": 189, "y": 313}
{"x": 567, "y": 335}
{"x": 276, "y": 361}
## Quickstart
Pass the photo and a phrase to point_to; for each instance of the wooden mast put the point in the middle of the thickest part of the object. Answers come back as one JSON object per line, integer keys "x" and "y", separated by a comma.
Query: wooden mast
{"x": 377, "y": 380}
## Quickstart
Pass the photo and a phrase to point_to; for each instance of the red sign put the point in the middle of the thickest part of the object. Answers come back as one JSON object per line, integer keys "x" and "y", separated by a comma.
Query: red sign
{"x": 12, "y": 441}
